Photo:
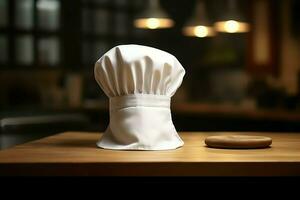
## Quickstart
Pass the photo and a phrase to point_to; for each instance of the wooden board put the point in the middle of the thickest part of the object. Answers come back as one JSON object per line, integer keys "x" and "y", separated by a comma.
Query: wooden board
{"x": 238, "y": 141}
{"x": 75, "y": 153}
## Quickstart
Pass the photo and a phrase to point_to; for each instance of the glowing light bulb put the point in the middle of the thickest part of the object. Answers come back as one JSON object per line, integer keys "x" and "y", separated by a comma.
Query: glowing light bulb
{"x": 152, "y": 23}
{"x": 200, "y": 31}
{"x": 231, "y": 26}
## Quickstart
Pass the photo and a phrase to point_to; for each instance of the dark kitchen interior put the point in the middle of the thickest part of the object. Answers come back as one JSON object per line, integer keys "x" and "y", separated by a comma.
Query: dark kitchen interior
{"x": 235, "y": 81}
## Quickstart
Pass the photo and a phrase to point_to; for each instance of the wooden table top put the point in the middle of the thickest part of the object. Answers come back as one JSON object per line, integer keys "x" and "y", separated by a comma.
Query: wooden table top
{"x": 75, "y": 153}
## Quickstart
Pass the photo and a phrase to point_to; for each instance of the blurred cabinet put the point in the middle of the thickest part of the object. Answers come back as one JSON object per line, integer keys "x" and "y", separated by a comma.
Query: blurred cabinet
{"x": 49, "y": 51}
{"x": 264, "y": 39}
{"x": 3, "y": 13}
{"x": 48, "y": 14}
{"x": 61, "y": 37}
{"x": 24, "y": 49}
{"x": 104, "y": 25}
{"x": 30, "y": 34}
{"x": 23, "y": 14}
{"x": 3, "y": 49}
{"x": 37, "y": 34}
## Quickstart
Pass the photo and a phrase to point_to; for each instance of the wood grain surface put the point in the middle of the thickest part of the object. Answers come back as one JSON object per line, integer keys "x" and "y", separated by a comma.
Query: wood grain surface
{"x": 75, "y": 153}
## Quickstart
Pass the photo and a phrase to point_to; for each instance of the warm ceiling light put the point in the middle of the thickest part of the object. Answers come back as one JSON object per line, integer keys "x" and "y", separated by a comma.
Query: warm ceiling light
{"x": 232, "y": 21}
{"x": 153, "y": 17}
{"x": 198, "y": 25}
{"x": 199, "y": 31}
{"x": 232, "y": 26}
{"x": 153, "y": 23}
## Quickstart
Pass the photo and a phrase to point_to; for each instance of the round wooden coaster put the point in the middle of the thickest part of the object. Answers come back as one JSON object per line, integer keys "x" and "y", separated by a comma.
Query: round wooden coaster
{"x": 238, "y": 141}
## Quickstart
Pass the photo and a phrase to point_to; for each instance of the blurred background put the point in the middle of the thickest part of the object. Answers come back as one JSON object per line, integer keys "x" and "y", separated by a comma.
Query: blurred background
{"x": 242, "y": 60}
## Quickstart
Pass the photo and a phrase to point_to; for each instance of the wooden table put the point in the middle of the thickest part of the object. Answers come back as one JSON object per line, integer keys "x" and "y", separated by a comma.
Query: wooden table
{"x": 75, "y": 153}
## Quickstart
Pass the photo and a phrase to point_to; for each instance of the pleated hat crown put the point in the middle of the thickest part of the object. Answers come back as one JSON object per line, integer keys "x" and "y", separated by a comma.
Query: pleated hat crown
{"x": 139, "y": 82}
{"x": 136, "y": 69}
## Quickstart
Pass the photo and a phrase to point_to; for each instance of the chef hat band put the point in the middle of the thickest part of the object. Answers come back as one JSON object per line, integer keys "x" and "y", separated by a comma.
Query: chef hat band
{"x": 139, "y": 100}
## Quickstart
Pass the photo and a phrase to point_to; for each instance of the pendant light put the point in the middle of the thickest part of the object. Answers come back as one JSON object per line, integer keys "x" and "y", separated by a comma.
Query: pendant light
{"x": 232, "y": 21}
{"x": 153, "y": 17}
{"x": 198, "y": 25}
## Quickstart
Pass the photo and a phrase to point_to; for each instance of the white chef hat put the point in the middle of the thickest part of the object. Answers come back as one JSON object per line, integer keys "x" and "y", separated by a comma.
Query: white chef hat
{"x": 139, "y": 82}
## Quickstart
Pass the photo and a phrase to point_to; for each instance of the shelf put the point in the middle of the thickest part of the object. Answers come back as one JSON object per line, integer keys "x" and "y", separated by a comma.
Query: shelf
{"x": 235, "y": 111}
{"x": 30, "y": 68}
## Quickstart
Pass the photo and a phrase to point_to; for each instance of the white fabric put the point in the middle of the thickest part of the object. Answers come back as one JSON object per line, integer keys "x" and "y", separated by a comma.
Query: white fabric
{"x": 140, "y": 82}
